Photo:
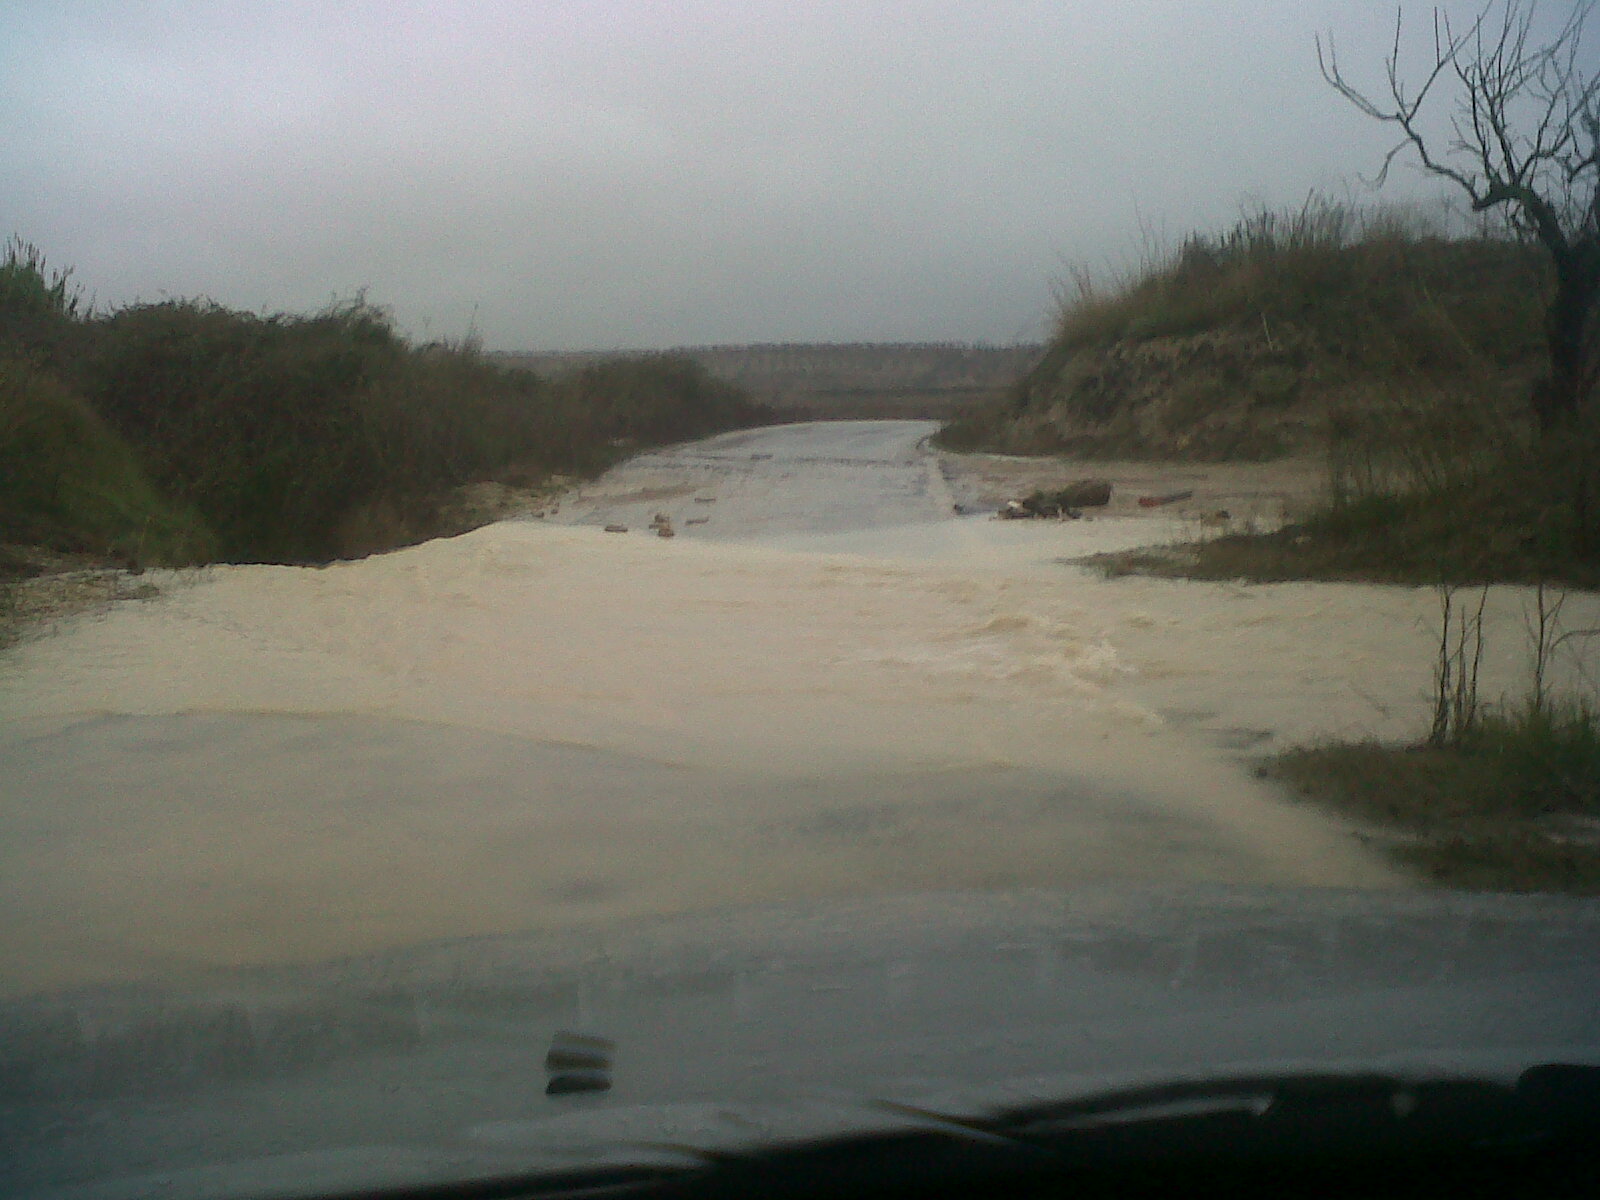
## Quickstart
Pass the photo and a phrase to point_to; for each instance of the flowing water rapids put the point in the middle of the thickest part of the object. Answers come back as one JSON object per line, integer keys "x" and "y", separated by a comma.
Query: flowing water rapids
{"x": 826, "y": 684}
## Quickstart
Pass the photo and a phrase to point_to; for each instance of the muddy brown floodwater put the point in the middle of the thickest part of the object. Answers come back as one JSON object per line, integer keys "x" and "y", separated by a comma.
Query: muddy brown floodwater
{"x": 826, "y": 684}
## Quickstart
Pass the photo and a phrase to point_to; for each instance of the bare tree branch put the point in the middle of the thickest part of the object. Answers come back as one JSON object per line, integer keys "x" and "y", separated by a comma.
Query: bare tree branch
{"x": 1524, "y": 135}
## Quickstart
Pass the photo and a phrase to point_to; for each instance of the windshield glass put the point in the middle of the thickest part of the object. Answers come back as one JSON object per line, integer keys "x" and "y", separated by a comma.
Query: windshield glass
{"x": 759, "y": 648}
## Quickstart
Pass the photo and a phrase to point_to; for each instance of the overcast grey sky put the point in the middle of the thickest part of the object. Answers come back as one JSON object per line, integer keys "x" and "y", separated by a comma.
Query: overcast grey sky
{"x": 632, "y": 173}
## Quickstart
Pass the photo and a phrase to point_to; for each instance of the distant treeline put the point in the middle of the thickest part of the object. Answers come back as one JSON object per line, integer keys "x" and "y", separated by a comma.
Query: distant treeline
{"x": 184, "y": 431}
{"x": 805, "y": 381}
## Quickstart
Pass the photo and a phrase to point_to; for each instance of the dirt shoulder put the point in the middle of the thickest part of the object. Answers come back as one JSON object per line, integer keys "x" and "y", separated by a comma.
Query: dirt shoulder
{"x": 39, "y": 587}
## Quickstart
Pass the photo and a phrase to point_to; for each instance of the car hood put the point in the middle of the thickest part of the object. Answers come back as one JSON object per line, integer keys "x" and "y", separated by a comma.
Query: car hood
{"x": 717, "y": 1033}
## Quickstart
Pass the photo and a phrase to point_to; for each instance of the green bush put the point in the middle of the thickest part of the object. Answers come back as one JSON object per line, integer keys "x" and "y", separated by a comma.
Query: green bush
{"x": 70, "y": 483}
{"x": 277, "y": 432}
{"x": 258, "y": 422}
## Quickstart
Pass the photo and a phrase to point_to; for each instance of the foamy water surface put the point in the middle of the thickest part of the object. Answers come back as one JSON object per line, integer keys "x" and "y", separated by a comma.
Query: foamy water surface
{"x": 541, "y": 724}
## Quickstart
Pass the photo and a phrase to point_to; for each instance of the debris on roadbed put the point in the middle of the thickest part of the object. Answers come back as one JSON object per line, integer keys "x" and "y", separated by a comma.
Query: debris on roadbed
{"x": 1166, "y": 498}
{"x": 1265, "y": 496}
{"x": 1063, "y": 503}
{"x": 39, "y": 588}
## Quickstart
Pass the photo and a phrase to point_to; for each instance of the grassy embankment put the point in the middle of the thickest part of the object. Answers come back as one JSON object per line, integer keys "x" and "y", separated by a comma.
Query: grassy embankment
{"x": 1405, "y": 359}
{"x": 184, "y": 432}
{"x": 1510, "y": 808}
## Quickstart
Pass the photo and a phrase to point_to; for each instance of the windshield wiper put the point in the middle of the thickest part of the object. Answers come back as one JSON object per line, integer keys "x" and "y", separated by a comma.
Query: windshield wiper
{"x": 1307, "y": 1114}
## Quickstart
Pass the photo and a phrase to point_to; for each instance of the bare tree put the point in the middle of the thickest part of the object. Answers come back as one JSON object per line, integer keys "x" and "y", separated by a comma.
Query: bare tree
{"x": 1525, "y": 139}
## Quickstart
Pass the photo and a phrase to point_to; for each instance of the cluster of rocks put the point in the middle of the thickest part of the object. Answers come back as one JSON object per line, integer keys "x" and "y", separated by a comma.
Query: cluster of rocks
{"x": 661, "y": 524}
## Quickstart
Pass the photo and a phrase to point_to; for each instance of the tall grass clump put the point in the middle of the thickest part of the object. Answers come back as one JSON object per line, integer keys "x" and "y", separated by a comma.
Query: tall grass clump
{"x": 1541, "y": 758}
{"x": 40, "y": 307}
{"x": 1328, "y": 265}
{"x": 1261, "y": 267}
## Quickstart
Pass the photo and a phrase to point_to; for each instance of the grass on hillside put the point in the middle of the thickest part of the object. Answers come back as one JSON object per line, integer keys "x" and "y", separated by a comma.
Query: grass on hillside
{"x": 1330, "y": 267}
{"x": 1403, "y": 357}
{"x": 1281, "y": 335}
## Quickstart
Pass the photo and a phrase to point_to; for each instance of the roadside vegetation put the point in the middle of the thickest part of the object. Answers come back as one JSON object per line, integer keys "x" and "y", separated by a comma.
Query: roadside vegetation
{"x": 1289, "y": 330}
{"x": 1450, "y": 384}
{"x": 1515, "y": 807}
{"x": 185, "y": 432}
{"x": 1500, "y": 794}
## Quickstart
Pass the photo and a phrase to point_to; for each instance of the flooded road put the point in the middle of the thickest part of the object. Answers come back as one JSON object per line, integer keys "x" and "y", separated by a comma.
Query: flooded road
{"x": 829, "y": 684}
{"x": 821, "y": 480}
